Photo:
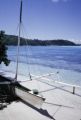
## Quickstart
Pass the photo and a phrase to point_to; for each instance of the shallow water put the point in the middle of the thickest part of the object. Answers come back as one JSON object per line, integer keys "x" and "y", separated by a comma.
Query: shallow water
{"x": 41, "y": 60}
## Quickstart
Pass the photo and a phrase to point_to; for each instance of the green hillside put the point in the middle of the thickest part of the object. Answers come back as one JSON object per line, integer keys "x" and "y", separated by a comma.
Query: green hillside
{"x": 12, "y": 40}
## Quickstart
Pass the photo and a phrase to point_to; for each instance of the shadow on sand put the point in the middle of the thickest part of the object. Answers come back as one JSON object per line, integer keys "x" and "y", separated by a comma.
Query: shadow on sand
{"x": 6, "y": 96}
{"x": 60, "y": 88}
{"x": 41, "y": 111}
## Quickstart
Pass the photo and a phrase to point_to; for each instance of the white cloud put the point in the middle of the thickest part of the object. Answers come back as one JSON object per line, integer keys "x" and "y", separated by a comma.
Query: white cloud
{"x": 59, "y": 0}
{"x": 55, "y": 0}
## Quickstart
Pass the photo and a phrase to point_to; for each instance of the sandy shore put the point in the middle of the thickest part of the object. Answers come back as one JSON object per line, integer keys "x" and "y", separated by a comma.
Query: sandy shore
{"x": 60, "y": 103}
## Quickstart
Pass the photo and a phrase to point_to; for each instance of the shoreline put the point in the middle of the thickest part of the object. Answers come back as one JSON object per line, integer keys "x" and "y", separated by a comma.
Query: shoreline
{"x": 60, "y": 75}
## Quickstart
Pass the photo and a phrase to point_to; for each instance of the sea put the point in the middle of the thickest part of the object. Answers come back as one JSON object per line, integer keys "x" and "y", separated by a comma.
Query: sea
{"x": 40, "y": 60}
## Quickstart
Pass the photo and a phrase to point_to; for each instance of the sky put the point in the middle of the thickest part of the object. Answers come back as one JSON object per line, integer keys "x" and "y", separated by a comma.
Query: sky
{"x": 43, "y": 19}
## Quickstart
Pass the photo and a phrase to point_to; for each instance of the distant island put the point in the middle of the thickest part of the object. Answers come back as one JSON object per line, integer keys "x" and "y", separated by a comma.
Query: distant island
{"x": 12, "y": 40}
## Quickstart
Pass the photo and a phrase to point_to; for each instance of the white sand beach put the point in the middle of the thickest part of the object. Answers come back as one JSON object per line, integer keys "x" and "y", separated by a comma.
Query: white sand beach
{"x": 60, "y": 103}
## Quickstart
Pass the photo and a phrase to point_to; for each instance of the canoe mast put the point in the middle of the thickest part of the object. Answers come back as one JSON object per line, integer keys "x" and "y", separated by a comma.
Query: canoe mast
{"x": 20, "y": 23}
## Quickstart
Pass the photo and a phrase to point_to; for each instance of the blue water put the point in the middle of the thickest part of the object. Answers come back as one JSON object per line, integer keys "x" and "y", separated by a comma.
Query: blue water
{"x": 68, "y": 58}
{"x": 41, "y": 60}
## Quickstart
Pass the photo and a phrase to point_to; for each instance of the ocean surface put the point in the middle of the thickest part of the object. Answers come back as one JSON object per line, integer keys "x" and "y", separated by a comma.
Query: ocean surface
{"x": 46, "y": 59}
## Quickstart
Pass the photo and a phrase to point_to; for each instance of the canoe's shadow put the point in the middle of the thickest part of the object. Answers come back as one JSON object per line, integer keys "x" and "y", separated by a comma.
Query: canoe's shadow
{"x": 41, "y": 111}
